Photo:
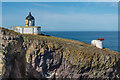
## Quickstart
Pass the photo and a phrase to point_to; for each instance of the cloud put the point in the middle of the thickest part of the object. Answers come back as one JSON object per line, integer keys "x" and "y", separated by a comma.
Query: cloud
{"x": 39, "y": 4}
{"x": 45, "y": 5}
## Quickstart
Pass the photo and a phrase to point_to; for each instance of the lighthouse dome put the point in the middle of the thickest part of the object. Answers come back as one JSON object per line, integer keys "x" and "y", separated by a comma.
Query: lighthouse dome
{"x": 30, "y": 17}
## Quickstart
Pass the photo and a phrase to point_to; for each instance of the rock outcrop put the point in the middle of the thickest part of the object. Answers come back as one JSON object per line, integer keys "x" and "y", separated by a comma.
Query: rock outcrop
{"x": 40, "y": 56}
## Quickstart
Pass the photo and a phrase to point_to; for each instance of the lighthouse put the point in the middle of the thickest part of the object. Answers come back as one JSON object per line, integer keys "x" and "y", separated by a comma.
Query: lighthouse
{"x": 30, "y": 20}
{"x": 29, "y": 27}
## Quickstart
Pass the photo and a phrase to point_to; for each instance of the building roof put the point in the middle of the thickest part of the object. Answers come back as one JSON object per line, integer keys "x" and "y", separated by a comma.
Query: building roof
{"x": 29, "y": 17}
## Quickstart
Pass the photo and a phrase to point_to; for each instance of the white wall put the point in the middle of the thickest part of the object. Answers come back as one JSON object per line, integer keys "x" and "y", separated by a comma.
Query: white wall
{"x": 20, "y": 29}
{"x": 28, "y": 30}
{"x": 97, "y": 43}
{"x": 35, "y": 30}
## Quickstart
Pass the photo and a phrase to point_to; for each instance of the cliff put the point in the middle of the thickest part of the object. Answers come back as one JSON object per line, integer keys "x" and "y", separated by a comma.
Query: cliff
{"x": 40, "y": 56}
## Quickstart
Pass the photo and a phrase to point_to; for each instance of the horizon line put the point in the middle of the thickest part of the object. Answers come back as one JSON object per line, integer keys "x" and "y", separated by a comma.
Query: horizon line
{"x": 68, "y": 30}
{"x": 87, "y": 30}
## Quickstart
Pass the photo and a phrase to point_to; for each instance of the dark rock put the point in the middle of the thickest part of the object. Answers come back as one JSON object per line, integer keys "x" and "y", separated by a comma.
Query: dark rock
{"x": 37, "y": 56}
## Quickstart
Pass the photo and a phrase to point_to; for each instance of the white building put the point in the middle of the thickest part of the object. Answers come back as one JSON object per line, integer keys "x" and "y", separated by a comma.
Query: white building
{"x": 98, "y": 43}
{"x": 29, "y": 27}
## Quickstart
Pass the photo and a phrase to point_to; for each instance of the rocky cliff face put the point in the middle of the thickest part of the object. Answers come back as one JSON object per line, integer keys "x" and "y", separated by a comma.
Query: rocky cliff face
{"x": 40, "y": 56}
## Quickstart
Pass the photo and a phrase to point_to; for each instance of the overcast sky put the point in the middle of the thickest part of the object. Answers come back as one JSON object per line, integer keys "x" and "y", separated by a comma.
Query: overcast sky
{"x": 63, "y": 16}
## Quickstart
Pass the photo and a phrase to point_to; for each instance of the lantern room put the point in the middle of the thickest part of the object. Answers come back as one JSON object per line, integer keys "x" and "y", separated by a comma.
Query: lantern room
{"x": 30, "y": 20}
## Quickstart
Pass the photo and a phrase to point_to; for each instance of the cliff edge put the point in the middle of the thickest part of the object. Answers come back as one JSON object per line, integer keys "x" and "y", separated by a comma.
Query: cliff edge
{"x": 41, "y": 56}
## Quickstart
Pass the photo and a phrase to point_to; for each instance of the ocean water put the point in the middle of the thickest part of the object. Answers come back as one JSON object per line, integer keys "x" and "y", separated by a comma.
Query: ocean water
{"x": 110, "y": 42}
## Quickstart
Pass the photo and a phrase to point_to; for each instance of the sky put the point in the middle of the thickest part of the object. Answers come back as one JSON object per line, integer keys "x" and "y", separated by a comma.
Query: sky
{"x": 60, "y": 0}
{"x": 63, "y": 16}
{"x": 0, "y": 13}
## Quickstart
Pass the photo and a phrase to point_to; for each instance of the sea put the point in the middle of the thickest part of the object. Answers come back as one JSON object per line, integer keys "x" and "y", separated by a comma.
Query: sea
{"x": 110, "y": 42}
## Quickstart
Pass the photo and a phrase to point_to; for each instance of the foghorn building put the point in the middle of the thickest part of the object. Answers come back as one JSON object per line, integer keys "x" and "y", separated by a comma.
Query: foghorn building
{"x": 29, "y": 27}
